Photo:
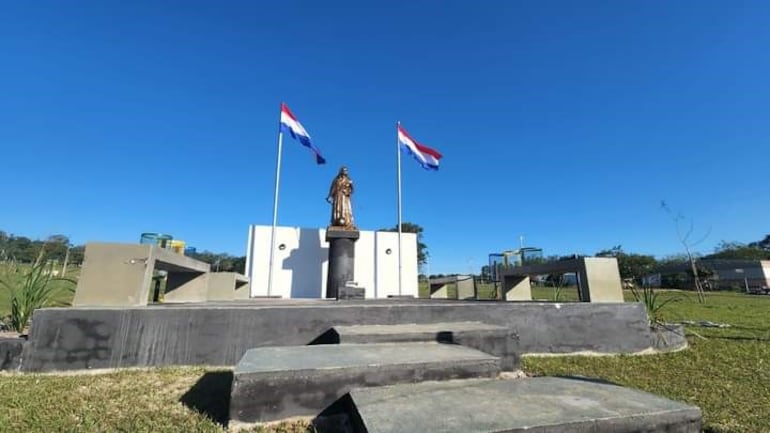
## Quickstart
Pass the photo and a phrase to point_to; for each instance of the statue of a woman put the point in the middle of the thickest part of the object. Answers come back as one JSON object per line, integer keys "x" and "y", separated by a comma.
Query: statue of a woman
{"x": 339, "y": 196}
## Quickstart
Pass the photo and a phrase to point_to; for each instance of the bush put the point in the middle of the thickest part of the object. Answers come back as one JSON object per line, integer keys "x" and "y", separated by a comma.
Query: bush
{"x": 31, "y": 290}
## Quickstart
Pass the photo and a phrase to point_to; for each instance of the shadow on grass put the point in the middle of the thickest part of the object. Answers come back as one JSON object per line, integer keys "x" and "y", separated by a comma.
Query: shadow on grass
{"x": 210, "y": 396}
{"x": 719, "y": 430}
{"x": 738, "y": 338}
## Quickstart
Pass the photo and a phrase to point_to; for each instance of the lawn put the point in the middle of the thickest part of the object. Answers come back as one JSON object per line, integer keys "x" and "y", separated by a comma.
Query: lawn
{"x": 726, "y": 372}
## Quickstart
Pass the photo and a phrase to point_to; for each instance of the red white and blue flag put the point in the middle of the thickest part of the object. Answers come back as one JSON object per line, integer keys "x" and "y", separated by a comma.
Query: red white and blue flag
{"x": 290, "y": 125}
{"x": 427, "y": 157}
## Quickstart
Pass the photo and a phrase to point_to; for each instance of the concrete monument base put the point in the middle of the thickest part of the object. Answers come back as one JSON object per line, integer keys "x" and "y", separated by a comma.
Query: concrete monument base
{"x": 219, "y": 333}
{"x": 541, "y": 404}
{"x": 342, "y": 254}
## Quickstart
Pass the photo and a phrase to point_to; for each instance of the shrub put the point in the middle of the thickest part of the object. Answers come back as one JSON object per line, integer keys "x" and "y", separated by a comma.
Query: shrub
{"x": 31, "y": 290}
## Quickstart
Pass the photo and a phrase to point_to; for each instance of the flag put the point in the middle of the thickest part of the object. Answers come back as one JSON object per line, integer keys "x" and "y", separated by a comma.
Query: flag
{"x": 426, "y": 156}
{"x": 291, "y": 125}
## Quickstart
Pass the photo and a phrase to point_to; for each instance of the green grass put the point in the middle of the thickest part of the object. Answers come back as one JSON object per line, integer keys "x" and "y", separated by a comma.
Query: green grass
{"x": 63, "y": 291}
{"x": 726, "y": 373}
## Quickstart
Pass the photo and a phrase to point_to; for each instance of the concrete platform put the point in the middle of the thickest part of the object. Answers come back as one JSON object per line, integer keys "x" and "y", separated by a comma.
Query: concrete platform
{"x": 542, "y": 405}
{"x": 272, "y": 383}
{"x": 493, "y": 339}
{"x": 219, "y": 333}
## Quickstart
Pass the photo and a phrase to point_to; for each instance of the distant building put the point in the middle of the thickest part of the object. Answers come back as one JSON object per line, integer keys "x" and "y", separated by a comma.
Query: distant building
{"x": 727, "y": 274}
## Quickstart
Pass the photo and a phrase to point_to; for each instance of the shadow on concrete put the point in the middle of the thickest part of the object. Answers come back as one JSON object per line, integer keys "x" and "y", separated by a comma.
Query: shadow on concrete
{"x": 210, "y": 396}
{"x": 340, "y": 416}
{"x": 589, "y": 379}
{"x": 306, "y": 265}
{"x": 329, "y": 337}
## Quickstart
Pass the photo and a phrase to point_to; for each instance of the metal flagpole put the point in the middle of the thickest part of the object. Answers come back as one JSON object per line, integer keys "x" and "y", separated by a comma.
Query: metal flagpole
{"x": 398, "y": 159}
{"x": 275, "y": 211}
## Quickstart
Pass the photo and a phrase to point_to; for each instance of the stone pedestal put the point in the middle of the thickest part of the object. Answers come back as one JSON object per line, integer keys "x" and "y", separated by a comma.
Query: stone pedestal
{"x": 341, "y": 259}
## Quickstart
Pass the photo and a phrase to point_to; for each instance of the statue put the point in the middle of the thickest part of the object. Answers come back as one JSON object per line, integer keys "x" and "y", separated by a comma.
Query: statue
{"x": 340, "y": 192}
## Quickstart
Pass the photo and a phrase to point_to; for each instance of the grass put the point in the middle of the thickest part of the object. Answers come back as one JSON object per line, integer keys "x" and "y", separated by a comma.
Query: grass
{"x": 61, "y": 292}
{"x": 726, "y": 373}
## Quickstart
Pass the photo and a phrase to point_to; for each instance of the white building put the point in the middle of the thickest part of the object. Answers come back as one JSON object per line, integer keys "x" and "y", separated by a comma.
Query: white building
{"x": 301, "y": 258}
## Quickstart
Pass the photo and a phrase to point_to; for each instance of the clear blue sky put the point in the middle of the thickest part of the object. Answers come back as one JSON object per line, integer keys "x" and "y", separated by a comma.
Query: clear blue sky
{"x": 566, "y": 122}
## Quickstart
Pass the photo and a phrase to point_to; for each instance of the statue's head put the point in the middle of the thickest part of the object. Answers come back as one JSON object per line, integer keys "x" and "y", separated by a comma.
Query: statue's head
{"x": 344, "y": 170}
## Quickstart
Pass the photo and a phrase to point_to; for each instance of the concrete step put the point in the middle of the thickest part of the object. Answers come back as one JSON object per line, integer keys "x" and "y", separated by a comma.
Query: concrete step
{"x": 493, "y": 339}
{"x": 273, "y": 383}
{"x": 542, "y": 405}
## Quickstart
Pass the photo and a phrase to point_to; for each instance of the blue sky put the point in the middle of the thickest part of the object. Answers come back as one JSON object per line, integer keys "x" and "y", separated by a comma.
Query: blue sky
{"x": 565, "y": 122}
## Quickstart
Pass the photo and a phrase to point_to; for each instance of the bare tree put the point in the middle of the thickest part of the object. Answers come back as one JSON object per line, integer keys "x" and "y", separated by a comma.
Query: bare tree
{"x": 685, "y": 238}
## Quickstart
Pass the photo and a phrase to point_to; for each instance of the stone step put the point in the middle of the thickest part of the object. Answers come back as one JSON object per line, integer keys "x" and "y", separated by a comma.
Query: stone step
{"x": 271, "y": 383}
{"x": 542, "y": 405}
{"x": 493, "y": 339}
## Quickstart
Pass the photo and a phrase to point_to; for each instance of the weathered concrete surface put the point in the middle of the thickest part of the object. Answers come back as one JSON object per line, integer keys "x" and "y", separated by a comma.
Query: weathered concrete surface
{"x": 219, "y": 334}
{"x": 10, "y": 353}
{"x": 493, "y": 339}
{"x": 118, "y": 275}
{"x": 598, "y": 277}
{"x": 272, "y": 383}
{"x": 227, "y": 286}
{"x": 542, "y": 405}
{"x": 668, "y": 337}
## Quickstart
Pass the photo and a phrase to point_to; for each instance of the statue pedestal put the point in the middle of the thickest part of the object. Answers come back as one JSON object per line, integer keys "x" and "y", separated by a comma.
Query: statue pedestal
{"x": 341, "y": 259}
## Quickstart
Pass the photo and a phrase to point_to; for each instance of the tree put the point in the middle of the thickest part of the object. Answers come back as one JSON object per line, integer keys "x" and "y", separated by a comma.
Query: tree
{"x": 56, "y": 247}
{"x": 422, "y": 249}
{"x": 738, "y": 251}
{"x": 763, "y": 244}
{"x": 630, "y": 265}
{"x": 486, "y": 273}
{"x": 685, "y": 238}
{"x": 221, "y": 262}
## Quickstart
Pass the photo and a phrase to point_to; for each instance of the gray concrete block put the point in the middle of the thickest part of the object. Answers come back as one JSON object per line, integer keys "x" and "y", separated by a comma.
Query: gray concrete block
{"x": 220, "y": 333}
{"x": 348, "y": 292}
{"x": 493, "y": 339}
{"x": 227, "y": 286}
{"x": 272, "y": 383}
{"x": 10, "y": 353}
{"x": 668, "y": 337}
{"x": 542, "y": 405}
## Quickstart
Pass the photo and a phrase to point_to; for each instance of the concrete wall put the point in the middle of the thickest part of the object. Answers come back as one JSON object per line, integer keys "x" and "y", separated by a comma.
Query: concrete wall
{"x": 766, "y": 271}
{"x": 82, "y": 338}
{"x": 301, "y": 255}
{"x": 602, "y": 278}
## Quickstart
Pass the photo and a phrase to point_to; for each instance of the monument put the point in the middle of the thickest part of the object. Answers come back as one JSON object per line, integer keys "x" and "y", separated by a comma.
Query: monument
{"x": 341, "y": 235}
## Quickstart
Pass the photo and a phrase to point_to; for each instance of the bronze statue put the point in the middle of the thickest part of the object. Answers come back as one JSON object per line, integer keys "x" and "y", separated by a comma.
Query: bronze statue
{"x": 340, "y": 192}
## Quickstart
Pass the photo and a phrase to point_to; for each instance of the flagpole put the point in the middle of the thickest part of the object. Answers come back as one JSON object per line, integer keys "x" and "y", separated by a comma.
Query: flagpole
{"x": 398, "y": 159}
{"x": 275, "y": 211}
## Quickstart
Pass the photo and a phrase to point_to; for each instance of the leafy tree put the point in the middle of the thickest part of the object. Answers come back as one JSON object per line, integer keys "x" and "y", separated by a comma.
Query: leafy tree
{"x": 739, "y": 251}
{"x": 221, "y": 262}
{"x": 422, "y": 249}
{"x": 630, "y": 265}
{"x": 763, "y": 244}
{"x": 486, "y": 272}
{"x": 56, "y": 247}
